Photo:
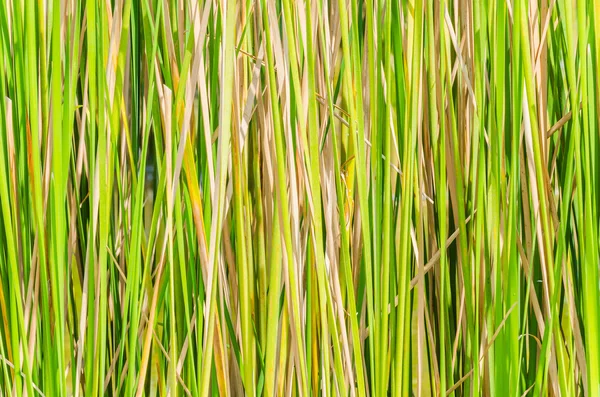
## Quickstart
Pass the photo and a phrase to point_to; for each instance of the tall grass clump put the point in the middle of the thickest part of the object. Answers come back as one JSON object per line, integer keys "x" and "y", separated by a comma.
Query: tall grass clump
{"x": 299, "y": 197}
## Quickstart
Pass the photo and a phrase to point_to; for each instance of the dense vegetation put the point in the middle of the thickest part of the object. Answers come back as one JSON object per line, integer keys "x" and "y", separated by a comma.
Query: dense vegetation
{"x": 309, "y": 197}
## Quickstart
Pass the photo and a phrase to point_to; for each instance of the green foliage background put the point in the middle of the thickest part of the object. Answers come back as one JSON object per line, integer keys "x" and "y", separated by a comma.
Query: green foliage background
{"x": 299, "y": 197}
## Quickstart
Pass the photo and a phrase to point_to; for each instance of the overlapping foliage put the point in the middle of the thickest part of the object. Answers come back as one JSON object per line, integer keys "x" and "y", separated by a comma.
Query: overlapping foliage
{"x": 309, "y": 197}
